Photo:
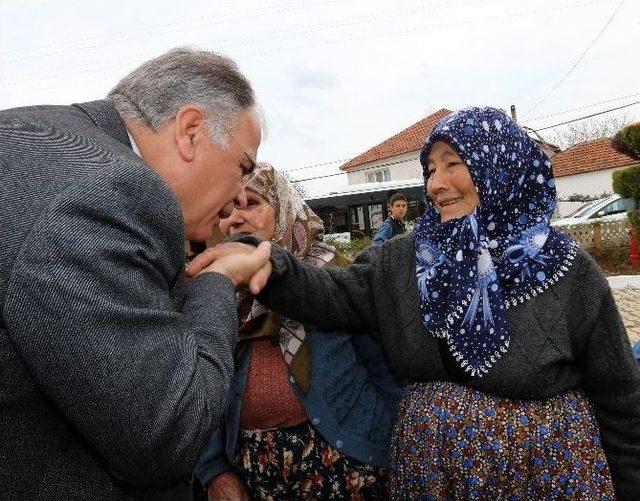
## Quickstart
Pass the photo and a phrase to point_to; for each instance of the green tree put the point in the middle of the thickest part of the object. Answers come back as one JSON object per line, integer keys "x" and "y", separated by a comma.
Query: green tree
{"x": 626, "y": 183}
{"x": 628, "y": 140}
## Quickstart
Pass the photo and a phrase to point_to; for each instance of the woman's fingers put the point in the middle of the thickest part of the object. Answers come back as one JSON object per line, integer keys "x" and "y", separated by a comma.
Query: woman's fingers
{"x": 238, "y": 262}
{"x": 211, "y": 254}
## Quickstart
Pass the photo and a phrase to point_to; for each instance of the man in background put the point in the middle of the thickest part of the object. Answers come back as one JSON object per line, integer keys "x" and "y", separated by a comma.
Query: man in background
{"x": 113, "y": 370}
{"x": 394, "y": 224}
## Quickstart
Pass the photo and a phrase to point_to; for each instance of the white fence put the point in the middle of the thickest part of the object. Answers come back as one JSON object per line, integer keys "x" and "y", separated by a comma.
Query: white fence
{"x": 599, "y": 235}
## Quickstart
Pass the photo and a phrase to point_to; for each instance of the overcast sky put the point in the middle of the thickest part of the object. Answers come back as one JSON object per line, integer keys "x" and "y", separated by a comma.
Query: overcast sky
{"x": 335, "y": 77}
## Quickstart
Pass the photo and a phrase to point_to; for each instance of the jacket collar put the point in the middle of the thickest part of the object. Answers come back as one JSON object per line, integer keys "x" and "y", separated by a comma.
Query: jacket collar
{"x": 105, "y": 116}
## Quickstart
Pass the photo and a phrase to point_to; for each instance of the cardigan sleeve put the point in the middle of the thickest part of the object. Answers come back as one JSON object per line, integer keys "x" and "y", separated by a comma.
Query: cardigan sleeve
{"x": 136, "y": 362}
{"x": 611, "y": 379}
{"x": 332, "y": 298}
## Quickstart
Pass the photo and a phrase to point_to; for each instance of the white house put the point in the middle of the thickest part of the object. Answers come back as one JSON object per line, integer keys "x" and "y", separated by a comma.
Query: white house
{"x": 391, "y": 166}
{"x": 396, "y": 158}
{"x": 585, "y": 168}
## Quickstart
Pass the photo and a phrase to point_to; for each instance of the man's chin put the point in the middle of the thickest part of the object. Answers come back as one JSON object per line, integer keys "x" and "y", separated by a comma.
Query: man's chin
{"x": 202, "y": 234}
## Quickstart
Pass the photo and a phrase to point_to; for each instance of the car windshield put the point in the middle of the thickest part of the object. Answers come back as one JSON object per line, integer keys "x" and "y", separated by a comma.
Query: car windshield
{"x": 584, "y": 208}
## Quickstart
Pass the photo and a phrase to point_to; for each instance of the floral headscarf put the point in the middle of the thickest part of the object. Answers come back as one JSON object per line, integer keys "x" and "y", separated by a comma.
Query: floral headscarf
{"x": 298, "y": 230}
{"x": 470, "y": 270}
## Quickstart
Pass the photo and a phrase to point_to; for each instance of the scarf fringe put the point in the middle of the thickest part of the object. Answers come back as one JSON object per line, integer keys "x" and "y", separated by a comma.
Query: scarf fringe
{"x": 509, "y": 302}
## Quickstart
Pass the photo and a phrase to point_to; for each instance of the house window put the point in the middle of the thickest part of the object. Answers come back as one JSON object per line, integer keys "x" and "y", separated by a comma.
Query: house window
{"x": 378, "y": 176}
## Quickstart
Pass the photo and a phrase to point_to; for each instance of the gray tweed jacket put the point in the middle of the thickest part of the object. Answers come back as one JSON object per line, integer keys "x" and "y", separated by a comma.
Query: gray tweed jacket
{"x": 571, "y": 337}
{"x": 113, "y": 372}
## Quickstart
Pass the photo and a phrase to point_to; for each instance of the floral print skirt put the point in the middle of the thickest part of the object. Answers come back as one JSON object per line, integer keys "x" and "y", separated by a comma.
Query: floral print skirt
{"x": 297, "y": 463}
{"x": 452, "y": 442}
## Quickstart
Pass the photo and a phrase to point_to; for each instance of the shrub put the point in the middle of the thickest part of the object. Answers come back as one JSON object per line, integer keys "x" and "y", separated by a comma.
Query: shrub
{"x": 579, "y": 197}
{"x": 628, "y": 140}
{"x": 626, "y": 183}
{"x": 351, "y": 248}
{"x": 634, "y": 220}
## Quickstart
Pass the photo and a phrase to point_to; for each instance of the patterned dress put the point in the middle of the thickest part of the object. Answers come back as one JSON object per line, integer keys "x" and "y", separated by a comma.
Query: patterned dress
{"x": 452, "y": 442}
{"x": 296, "y": 463}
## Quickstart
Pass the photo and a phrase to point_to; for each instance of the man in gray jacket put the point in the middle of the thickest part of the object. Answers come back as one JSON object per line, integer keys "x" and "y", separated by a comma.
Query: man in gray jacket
{"x": 113, "y": 370}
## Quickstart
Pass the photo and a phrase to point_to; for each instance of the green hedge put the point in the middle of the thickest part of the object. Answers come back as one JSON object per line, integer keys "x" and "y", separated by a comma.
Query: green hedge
{"x": 628, "y": 140}
{"x": 626, "y": 182}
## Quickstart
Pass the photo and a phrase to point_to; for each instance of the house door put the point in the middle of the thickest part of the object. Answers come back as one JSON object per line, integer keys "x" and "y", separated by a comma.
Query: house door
{"x": 376, "y": 216}
{"x": 357, "y": 221}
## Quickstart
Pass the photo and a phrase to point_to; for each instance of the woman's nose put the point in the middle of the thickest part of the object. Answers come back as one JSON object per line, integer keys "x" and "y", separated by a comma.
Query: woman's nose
{"x": 235, "y": 217}
{"x": 240, "y": 200}
{"x": 437, "y": 181}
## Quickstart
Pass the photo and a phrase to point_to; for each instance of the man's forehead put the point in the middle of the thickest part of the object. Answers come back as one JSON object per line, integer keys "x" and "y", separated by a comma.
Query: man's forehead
{"x": 248, "y": 132}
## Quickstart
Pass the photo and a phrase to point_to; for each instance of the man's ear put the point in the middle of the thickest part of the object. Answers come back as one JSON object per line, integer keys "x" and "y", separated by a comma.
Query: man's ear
{"x": 188, "y": 130}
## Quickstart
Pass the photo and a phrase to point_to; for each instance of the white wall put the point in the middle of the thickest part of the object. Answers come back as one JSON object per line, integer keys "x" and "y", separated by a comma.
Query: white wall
{"x": 408, "y": 168}
{"x": 589, "y": 183}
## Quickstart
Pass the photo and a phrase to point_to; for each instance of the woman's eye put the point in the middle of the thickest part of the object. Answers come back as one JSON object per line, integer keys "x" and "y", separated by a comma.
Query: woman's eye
{"x": 453, "y": 164}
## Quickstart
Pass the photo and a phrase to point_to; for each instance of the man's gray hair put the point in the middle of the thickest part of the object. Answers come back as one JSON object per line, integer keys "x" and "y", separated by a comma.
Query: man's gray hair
{"x": 154, "y": 92}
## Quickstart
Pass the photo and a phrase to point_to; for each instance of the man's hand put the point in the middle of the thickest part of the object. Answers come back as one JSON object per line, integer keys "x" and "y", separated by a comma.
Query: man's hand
{"x": 227, "y": 486}
{"x": 243, "y": 264}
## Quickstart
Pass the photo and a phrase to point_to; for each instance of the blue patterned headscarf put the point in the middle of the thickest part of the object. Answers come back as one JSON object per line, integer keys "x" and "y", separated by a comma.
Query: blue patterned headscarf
{"x": 471, "y": 269}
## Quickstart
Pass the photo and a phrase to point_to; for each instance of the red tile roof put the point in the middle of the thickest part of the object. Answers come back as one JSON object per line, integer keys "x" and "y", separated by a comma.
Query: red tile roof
{"x": 410, "y": 139}
{"x": 589, "y": 156}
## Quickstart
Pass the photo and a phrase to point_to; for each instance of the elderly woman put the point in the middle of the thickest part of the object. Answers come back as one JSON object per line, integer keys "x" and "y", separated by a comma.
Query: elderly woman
{"x": 524, "y": 385}
{"x": 310, "y": 414}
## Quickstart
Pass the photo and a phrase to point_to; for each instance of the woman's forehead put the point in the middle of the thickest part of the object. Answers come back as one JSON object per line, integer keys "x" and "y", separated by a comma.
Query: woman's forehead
{"x": 442, "y": 149}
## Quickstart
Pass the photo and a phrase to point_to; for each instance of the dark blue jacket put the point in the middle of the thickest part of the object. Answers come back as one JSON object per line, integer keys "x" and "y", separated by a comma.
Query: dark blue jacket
{"x": 389, "y": 229}
{"x": 636, "y": 350}
{"x": 352, "y": 401}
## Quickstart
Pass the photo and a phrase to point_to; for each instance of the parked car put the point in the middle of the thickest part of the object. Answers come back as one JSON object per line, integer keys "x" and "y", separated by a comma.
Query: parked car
{"x": 605, "y": 209}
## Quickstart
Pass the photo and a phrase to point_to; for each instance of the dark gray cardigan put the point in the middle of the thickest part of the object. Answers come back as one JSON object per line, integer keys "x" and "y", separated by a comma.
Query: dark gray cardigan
{"x": 571, "y": 337}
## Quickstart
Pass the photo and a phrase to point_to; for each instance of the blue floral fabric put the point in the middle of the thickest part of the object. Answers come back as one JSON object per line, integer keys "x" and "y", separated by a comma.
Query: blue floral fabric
{"x": 470, "y": 270}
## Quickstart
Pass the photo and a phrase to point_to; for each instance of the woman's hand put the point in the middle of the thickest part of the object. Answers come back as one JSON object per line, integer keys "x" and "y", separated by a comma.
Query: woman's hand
{"x": 243, "y": 264}
{"x": 227, "y": 486}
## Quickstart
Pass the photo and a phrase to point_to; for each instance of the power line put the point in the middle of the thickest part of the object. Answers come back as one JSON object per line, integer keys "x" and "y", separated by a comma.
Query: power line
{"x": 235, "y": 16}
{"x": 232, "y": 42}
{"x": 304, "y": 30}
{"x": 584, "y": 107}
{"x": 585, "y": 117}
{"x": 317, "y": 165}
{"x": 575, "y": 65}
{"x": 375, "y": 167}
{"x": 420, "y": 28}
{"x": 288, "y": 8}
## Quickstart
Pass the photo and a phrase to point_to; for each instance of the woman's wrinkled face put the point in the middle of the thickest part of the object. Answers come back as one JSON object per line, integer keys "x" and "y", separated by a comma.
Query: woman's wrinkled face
{"x": 449, "y": 184}
{"x": 258, "y": 218}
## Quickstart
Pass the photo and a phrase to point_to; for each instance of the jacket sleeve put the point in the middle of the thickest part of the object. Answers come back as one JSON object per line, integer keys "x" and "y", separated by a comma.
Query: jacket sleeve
{"x": 611, "y": 381}
{"x": 384, "y": 233}
{"x": 332, "y": 298}
{"x": 137, "y": 365}
{"x": 213, "y": 461}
